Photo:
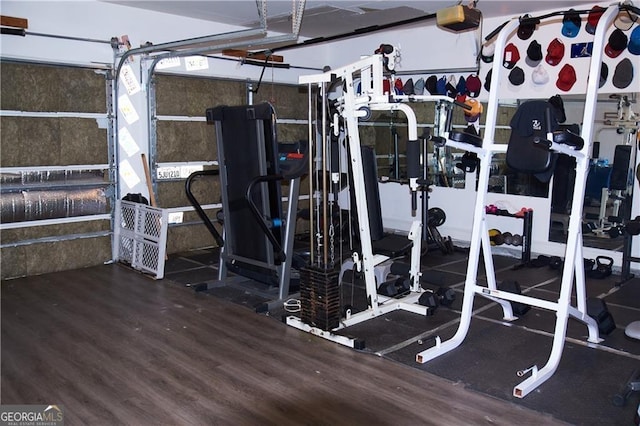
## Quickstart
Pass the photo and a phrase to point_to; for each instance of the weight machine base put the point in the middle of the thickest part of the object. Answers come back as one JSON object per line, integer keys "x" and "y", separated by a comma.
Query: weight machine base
{"x": 343, "y": 340}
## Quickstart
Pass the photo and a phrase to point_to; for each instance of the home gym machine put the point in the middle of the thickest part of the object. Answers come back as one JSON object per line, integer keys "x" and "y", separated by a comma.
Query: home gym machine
{"x": 257, "y": 241}
{"x": 530, "y": 154}
{"x": 619, "y": 191}
{"x": 321, "y": 312}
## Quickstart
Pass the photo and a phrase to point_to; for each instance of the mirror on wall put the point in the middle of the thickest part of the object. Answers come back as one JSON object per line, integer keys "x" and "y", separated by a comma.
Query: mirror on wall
{"x": 610, "y": 180}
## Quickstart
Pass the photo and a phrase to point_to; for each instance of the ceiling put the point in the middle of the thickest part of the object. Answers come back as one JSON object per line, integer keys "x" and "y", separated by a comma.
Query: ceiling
{"x": 326, "y": 18}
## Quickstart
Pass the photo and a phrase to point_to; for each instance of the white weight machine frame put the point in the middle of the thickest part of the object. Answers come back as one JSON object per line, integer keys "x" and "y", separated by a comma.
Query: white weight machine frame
{"x": 351, "y": 107}
{"x": 573, "y": 264}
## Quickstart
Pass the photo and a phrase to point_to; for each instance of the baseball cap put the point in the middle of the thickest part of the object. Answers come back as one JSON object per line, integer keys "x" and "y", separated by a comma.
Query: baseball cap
{"x": 525, "y": 31}
{"x": 408, "y": 88}
{"x": 474, "y": 85}
{"x": 398, "y": 86}
{"x": 555, "y": 52}
{"x": 511, "y": 56}
{"x": 593, "y": 18}
{"x": 623, "y": 75}
{"x": 487, "y": 81}
{"x": 534, "y": 54}
{"x": 604, "y": 73}
{"x": 558, "y": 107}
{"x": 539, "y": 75}
{"x": 451, "y": 86}
{"x": 634, "y": 41}
{"x": 431, "y": 84}
{"x": 441, "y": 86}
{"x": 461, "y": 88}
{"x": 566, "y": 78}
{"x": 625, "y": 19}
{"x": 418, "y": 86}
{"x": 487, "y": 52}
{"x": 617, "y": 43}
{"x": 516, "y": 76}
{"x": 571, "y": 23}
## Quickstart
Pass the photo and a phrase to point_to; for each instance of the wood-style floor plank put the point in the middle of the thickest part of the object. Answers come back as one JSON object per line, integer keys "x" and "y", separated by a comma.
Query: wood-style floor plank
{"x": 115, "y": 347}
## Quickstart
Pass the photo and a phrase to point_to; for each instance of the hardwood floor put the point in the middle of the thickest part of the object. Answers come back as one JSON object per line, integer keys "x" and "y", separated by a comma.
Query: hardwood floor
{"x": 115, "y": 347}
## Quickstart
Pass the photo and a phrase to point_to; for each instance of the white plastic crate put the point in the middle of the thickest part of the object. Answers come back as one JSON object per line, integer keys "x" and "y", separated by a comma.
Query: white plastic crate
{"x": 141, "y": 237}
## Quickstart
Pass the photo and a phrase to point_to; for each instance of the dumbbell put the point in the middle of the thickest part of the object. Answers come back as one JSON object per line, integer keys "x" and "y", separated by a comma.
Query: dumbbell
{"x": 508, "y": 238}
{"x": 496, "y": 238}
{"x": 516, "y": 240}
{"x": 444, "y": 296}
{"x": 522, "y": 212}
{"x": 394, "y": 287}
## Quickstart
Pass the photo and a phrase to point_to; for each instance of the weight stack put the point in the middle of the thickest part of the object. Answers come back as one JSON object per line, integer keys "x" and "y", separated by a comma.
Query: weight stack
{"x": 320, "y": 297}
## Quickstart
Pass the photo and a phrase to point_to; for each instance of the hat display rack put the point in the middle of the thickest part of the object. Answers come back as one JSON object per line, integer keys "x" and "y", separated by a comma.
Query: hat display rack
{"x": 554, "y": 58}
{"x": 573, "y": 274}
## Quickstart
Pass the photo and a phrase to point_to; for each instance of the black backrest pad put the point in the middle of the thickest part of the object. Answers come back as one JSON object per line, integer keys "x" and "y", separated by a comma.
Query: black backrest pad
{"x": 620, "y": 170}
{"x": 528, "y": 123}
{"x": 370, "y": 170}
{"x": 250, "y": 149}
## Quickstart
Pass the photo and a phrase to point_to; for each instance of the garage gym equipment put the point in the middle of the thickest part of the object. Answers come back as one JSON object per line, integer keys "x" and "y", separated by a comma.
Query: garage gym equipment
{"x": 532, "y": 151}
{"x": 257, "y": 241}
{"x": 351, "y": 106}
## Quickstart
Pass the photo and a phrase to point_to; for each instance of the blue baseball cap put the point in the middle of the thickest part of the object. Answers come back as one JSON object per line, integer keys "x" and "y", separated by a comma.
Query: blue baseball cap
{"x": 571, "y": 23}
{"x": 634, "y": 41}
{"x": 441, "y": 86}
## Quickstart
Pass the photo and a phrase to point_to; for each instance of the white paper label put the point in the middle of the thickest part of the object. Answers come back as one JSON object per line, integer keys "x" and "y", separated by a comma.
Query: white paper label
{"x": 194, "y": 63}
{"x": 128, "y": 174}
{"x": 168, "y": 63}
{"x": 128, "y": 111}
{"x": 129, "y": 80}
{"x": 127, "y": 142}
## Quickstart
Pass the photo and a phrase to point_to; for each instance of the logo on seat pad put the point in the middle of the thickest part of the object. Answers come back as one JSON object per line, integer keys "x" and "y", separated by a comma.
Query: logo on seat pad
{"x": 536, "y": 124}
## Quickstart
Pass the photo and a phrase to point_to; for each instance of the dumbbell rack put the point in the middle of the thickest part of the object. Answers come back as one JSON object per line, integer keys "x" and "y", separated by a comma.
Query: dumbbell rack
{"x": 527, "y": 229}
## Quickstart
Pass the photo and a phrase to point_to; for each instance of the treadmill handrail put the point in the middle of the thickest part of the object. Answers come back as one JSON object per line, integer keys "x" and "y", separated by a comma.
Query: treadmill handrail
{"x": 198, "y": 207}
{"x": 280, "y": 254}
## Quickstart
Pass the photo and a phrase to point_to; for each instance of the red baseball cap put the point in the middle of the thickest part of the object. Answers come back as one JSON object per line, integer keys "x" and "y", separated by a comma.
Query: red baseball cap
{"x": 474, "y": 85}
{"x": 555, "y": 52}
{"x": 566, "y": 78}
{"x": 593, "y": 19}
{"x": 511, "y": 56}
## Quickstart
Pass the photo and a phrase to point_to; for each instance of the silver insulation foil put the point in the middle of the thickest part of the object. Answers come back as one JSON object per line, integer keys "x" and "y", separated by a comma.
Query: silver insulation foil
{"x": 30, "y": 196}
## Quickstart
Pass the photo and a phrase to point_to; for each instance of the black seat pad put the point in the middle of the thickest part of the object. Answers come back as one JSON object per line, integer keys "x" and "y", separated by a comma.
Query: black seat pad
{"x": 466, "y": 138}
{"x": 392, "y": 245}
